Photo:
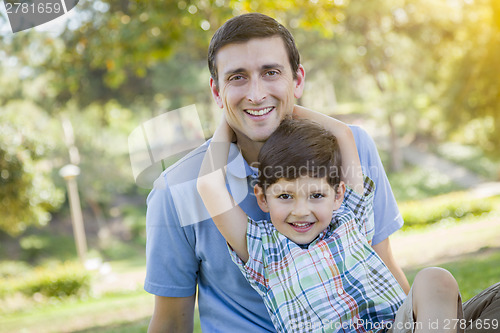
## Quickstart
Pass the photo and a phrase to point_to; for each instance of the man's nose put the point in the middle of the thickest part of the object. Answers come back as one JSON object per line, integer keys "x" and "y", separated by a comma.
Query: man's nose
{"x": 256, "y": 92}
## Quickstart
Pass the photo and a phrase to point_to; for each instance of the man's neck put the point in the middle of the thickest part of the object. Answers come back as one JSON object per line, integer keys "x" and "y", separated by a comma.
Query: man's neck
{"x": 249, "y": 149}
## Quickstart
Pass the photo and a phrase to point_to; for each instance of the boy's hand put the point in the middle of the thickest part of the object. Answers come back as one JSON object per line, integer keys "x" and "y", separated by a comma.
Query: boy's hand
{"x": 224, "y": 133}
{"x": 300, "y": 112}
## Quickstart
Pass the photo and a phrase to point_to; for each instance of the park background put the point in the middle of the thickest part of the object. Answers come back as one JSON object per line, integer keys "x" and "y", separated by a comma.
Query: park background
{"x": 420, "y": 76}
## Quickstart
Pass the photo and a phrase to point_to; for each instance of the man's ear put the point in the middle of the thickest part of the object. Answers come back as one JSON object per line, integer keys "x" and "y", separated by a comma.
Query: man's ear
{"x": 215, "y": 92}
{"x": 299, "y": 82}
{"x": 261, "y": 198}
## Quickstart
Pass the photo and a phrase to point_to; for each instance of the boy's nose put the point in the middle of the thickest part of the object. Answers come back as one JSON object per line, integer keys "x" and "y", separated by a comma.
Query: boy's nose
{"x": 301, "y": 208}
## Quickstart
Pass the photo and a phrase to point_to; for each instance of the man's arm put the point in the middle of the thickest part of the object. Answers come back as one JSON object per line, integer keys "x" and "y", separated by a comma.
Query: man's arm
{"x": 384, "y": 251}
{"x": 172, "y": 315}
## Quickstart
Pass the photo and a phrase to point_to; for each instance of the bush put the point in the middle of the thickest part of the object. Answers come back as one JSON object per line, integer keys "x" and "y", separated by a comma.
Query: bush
{"x": 62, "y": 280}
{"x": 450, "y": 206}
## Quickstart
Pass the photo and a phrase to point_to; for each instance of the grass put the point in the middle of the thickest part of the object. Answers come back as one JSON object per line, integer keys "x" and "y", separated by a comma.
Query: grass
{"x": 130, "y": 312}
{"x": 473, "y": 274}
{"x": 468, "y": 249}
{"x": 70, "y": 316}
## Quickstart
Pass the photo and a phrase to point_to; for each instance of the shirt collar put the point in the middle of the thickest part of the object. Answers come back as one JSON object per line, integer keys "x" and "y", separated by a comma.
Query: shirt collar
{"x": 237, "y": 165}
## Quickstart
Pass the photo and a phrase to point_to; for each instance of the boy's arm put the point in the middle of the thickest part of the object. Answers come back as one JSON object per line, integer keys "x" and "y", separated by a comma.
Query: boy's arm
{"x": 383, "y": 248}
{"x": 351, "y": 172}
{"x": 229, "y": 218}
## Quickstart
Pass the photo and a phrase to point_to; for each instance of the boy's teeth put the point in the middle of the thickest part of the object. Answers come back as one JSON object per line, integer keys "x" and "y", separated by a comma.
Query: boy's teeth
{"x": 259, "y": 112}
{"x": 301, "y": 224}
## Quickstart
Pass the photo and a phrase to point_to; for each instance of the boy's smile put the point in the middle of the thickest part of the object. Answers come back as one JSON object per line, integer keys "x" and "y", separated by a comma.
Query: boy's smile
{"x": 301, "y": 208}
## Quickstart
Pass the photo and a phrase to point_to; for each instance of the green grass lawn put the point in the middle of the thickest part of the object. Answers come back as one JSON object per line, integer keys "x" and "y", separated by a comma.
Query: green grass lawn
{"x": 130, "y": 311}
{"x": 473, "y": 274}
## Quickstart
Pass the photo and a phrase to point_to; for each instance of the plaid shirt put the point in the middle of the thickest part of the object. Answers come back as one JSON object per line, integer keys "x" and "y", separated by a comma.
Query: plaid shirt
{"x": 337, "y": 284}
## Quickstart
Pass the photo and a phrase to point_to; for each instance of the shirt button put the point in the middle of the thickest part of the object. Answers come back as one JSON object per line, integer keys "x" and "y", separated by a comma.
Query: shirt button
{"x": 340, "y": 291}
{"x": 326, "y": 255}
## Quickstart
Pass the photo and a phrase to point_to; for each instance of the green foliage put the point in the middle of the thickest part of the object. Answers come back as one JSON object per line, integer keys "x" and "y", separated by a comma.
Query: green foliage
{"x": 471, "y": 157}
{"x": 415, "y": 183}
{"x": 471, "y": 99}
{"x": 452, "y": 207}
{"x": 27, "y": 194}
{"x": 44, "y": 245}
{"x": 13, "y": 269}
{"x": 135, "y": 219}
{"x": 59, "y": 281}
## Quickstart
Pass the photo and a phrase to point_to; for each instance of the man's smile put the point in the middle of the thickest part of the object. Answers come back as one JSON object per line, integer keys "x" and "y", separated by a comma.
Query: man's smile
{"x": 259, "y": 112}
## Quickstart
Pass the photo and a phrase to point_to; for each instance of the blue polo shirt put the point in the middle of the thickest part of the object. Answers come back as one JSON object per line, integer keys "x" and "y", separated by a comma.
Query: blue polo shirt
{"x": 185, "y": 249}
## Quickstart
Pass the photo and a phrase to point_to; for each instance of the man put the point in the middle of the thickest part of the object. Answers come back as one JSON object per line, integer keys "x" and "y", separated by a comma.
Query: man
{"x": 255, "y": 78}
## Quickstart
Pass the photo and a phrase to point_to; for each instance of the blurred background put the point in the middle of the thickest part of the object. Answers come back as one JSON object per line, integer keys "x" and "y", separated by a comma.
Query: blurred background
{"x": 420, "y": 76}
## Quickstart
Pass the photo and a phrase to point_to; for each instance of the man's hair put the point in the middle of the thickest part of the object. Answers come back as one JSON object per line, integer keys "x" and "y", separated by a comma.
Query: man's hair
{"x": 242, "y": 28}
{"x": 299, "y": 148}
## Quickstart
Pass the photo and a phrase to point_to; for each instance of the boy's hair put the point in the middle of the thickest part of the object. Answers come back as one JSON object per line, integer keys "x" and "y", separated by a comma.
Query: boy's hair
{"x": 299, "y": 148}
{"x": 242, "y": 28}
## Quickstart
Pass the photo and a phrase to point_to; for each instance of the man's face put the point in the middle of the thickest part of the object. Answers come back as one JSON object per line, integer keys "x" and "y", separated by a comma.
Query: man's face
{"x": 256, "y": 86}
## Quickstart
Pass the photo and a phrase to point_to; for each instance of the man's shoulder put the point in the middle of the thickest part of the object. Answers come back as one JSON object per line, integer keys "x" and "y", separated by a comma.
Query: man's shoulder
{"x": 182, "y": 171}
{"x": 190, "y": 163}
{"x": 360, "y": 134}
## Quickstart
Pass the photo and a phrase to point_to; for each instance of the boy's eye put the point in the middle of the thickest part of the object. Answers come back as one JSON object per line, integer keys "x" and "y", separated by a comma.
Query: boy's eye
{"x": 284, "y": 196}
{"x": 317, "y": 195}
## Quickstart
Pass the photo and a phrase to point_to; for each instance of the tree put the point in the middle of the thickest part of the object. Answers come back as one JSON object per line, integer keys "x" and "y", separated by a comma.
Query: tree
{"x": 472, "y": 97}
{"x": 27, "y": 194}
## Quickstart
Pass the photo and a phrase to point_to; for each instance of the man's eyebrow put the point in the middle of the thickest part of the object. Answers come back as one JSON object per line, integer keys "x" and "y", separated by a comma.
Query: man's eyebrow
{"x": 273, "y": 66}
{"x": 243, "y": 70}
{"x": 234, "y": 71}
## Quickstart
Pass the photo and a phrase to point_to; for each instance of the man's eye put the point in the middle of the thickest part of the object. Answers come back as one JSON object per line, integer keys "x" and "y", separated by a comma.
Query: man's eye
{"x": 284, "y": 196}
{"x": 272, "y": 73}
{"x": 317, "y": 195}
{"x": 236, "y": 78}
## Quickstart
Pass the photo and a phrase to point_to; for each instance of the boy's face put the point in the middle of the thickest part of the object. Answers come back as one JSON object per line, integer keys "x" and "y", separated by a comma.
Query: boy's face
{"x": 302, "y": 208}
{"x": 256, "y": 86}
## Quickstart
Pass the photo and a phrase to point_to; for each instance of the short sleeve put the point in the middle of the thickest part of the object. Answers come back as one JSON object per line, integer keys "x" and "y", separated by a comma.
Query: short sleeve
{"x": 253, "y": 269}
{"x": 171, "y": 263}
{"x": 387, "y": 218}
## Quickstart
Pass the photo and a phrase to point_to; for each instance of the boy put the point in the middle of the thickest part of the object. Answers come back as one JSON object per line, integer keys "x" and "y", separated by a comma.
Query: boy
{"x": 316, "y": 273}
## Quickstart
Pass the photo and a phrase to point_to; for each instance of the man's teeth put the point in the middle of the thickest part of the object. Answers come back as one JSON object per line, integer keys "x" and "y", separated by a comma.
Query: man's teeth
{"x": 259, "y": 112}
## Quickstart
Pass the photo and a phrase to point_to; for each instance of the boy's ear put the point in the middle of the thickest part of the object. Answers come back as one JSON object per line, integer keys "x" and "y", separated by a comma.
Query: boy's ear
{"x": 261, "y": 198}
{"x": 339, "y": 195}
